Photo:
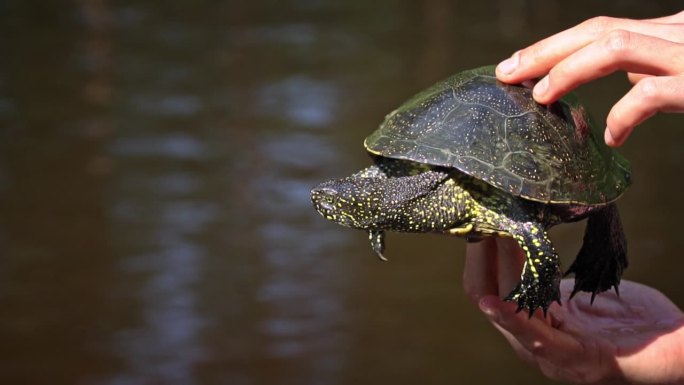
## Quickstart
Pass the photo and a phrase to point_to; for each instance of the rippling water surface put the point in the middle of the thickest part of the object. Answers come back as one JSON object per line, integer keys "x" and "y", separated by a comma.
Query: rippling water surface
{"x": 155, "y": 165}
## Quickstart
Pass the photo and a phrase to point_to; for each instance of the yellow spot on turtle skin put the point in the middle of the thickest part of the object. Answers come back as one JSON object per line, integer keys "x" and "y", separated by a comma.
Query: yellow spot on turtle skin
{"x": 533, "y": 268}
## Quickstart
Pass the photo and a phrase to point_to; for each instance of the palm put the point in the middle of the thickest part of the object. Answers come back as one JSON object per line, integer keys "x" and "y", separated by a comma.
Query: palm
{"x": 636, "y": 336}
{"x": 628, "y": 322}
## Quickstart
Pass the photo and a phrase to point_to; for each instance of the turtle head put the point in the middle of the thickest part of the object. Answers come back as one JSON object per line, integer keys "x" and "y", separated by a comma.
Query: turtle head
{"x": 374, "y": 203}
{"x": 353, "y": 202}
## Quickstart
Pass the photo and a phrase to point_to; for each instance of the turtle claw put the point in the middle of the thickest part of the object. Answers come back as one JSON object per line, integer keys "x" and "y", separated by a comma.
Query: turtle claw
{"x": 533, "y": 297}
{"x": 594, "y": 293}
{"x": 594, "y": 283}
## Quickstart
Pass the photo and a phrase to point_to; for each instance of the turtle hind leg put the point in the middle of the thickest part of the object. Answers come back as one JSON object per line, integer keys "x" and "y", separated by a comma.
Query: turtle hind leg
{"x": 540, "y": 280}
{"x": 603, "y": 256}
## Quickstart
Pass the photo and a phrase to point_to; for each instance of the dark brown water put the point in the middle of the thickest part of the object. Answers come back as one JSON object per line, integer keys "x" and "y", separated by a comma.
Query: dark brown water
{"x": 155, "y": 164}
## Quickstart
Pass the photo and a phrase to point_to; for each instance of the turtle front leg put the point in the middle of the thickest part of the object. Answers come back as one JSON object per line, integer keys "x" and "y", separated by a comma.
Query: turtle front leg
{"x": 603, "y": 256}
{"x": 540, "y": 279}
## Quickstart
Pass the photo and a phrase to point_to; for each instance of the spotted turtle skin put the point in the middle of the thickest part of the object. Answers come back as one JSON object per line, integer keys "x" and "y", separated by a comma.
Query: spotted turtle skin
{"x": 474, "y": 157}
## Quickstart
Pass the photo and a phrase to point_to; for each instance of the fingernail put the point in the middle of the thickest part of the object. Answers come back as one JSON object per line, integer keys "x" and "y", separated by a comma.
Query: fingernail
{"x": 608, "y": 138}
{"x": 541, "y": 87}
{"x": 487, "y": 308}
{"x": 509, "y": 65}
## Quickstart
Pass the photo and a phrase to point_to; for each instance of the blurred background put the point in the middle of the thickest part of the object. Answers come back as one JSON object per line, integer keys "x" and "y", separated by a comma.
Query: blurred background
{"x": 155, "y": 165}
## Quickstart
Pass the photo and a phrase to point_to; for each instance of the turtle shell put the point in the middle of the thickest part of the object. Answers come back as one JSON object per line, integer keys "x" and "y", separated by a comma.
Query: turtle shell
{"x": 497, "y": 133}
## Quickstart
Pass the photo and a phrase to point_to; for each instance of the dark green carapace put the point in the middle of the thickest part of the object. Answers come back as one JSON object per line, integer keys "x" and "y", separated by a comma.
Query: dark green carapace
{"x": 474, "y": 157}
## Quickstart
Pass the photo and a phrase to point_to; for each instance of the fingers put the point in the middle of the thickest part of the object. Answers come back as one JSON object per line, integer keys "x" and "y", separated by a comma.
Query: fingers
{"x": 676, "y": 18}
{"x": 649, "y": 50}
{"x": 634, "y": 77}
{"x": 534, "y": 334}
{"x": 493, "y": 267}
{"x": 560, "y": 356}
{"x": 539, "y": 58}
{"x": 649, "y": 96}
{"x": 519, "y": 350}
{"x": 617, "y": 50}
{"x": 510, "y": 263}
{"x": 479, "y": 274}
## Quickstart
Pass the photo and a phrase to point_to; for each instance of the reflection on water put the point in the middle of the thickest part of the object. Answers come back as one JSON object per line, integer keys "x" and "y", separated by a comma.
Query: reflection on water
{"x": 301, "y": 288}
{"x": 155, "y": 167}
{"x": 173, "y": 145}
{"x": 299, "y": 99}
{"x": 165, "y": 344}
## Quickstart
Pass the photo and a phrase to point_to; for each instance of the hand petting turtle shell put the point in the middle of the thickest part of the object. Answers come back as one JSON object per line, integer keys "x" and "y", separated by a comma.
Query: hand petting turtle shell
{"x": 650, "y": 51}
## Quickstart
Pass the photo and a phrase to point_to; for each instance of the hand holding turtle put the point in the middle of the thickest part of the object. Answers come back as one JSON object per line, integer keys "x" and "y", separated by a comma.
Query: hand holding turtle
{"x": 651, "y": 51}
{"x": 635, "y": 338}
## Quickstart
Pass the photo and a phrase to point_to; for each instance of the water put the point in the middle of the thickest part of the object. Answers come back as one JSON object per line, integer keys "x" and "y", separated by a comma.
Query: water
{"x": 155, "y": 162}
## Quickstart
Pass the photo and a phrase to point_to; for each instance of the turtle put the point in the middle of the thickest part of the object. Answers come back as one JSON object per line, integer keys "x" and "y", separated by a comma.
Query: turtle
{"x": 473, "y": 157}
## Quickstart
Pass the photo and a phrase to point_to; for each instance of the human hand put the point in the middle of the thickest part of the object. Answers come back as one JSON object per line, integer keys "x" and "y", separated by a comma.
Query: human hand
{"x": 636, "y": 338}
{"x": 651, "y": 51}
